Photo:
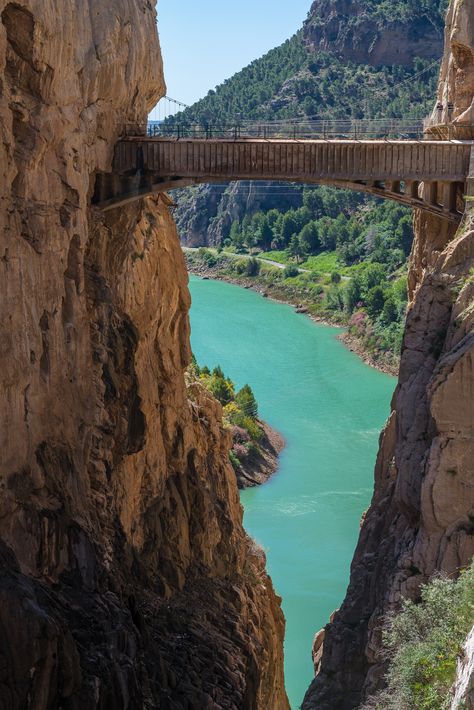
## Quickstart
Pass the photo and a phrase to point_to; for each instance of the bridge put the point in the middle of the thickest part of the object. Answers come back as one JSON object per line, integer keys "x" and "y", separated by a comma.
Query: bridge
{"x": 428, "y": 174}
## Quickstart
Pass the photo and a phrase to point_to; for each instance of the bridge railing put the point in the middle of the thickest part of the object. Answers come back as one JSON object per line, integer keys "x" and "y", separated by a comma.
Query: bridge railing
{"x": 294, "y": 130}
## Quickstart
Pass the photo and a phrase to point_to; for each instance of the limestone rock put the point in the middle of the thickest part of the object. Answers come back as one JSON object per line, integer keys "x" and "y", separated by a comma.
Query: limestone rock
{"x": 456, "y": 89}
{"x": 127, "y": 579}
{"x": 421, "y": 517}
{"x": 358, "y": 31}
{"x": 463, "y": 688}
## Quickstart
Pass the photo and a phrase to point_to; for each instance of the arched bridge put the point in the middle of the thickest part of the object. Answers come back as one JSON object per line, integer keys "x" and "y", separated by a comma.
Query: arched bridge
{"x": 431, "y": 175}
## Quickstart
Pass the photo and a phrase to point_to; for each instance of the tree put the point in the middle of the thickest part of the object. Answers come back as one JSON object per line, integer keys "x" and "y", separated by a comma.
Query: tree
{"x": 221, "y": 388}
{"x": 289, "y": 227}
{"x": 313, "y": 201}
{"x": 309, "y": 238}
{"x": 295, "y": 249}
{"x": 374, "y": 275}
{"x": 404, "y": 234}
{"x": 390, "y": 311}
{"x": 266, "y": 234}
{"x": 334, "y": 298}
{"x": 253, "y": 267}
{"x": 291, "y": 271}
{"x": 328, "y": 234}
{"x": 236, "y": 236}
{"x": 246, "y": 401}
{"x": 353, "y": 294}
{"x": 375, "y": 301}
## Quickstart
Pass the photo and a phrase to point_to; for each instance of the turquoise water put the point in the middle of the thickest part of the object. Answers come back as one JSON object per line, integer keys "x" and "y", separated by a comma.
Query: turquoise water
{"x": 330, "y": 407}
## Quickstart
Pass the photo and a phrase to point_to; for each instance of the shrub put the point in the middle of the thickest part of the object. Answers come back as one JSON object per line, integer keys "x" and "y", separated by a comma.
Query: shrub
{"x": 423, "y": 642}
{"x": 253, "y": 267}
{"x": 207, "y": 257}
{"x": 241, "y": 266}
{"x": 234, "y": 460}
{"x": 291, "y": 271}
{"x": 218, "y": 385}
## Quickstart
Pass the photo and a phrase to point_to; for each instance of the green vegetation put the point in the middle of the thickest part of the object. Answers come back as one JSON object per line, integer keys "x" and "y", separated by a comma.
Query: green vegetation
{"x": 321, "y": 230}
{"x": 291, "y": 82}
{"x": 423, "y": 643}
{"x": 404, "y": 10}
{"x": 240, "y": 411}
{"x": 352, "y": 272}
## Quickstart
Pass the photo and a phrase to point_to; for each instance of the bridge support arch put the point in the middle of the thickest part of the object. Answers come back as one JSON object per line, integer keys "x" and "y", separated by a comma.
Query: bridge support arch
{"x": 429, "y": 175}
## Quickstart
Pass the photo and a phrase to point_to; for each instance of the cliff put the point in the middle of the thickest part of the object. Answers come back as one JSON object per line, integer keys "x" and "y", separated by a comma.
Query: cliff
{"x": 127, "y": 579}
{"x": 421, "y": 517}
{"x": 369, "y": 32}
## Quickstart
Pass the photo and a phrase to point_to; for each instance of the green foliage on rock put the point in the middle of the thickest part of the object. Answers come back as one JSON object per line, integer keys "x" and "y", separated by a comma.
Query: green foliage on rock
{"x": 246, "y": 402}
{"x": 423, "y": 643}
{"x": 240, "y": 409}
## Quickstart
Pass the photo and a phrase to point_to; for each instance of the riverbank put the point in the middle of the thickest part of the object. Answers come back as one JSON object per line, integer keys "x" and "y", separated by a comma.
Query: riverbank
{"x": 355, "y": 335}
{"x": 259, "y": 463}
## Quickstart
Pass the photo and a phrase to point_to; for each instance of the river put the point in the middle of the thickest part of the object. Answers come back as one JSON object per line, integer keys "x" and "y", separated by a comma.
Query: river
{"x": 330, "y": 407}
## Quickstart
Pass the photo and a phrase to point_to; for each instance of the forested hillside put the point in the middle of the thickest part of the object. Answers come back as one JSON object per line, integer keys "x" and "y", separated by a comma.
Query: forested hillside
{"x": 339, "y": 65}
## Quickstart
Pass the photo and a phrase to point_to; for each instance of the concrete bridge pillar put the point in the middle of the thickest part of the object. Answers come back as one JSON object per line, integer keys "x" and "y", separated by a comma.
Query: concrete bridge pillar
{"x": 431, "y": 193}
{"x": 449, "y": 192}
{"x": 412, "y": 189}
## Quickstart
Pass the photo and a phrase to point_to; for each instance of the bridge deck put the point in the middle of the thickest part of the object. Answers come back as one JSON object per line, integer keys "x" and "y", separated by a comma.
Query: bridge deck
{"x": 428, "y": 174}
{"x": 297, "y": 160}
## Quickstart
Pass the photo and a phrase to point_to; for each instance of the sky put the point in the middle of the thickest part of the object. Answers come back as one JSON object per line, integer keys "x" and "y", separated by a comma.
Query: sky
{"x": 205, "y": 42}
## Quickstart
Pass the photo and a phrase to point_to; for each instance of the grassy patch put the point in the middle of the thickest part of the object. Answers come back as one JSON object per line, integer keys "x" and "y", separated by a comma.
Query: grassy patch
{"x": 281, "y": 257}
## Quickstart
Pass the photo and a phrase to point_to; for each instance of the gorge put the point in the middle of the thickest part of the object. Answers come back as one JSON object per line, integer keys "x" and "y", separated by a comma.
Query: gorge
{"x": 127, "y": 578}
{"x": 329, "y": 406}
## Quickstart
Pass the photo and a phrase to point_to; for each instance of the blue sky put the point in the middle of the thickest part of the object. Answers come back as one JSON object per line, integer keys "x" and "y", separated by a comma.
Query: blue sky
{"x": 205, "y": 42}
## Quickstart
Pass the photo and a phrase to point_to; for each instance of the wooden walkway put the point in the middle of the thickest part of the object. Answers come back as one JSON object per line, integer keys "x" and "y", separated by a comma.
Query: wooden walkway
{"x": 431, "y": 175}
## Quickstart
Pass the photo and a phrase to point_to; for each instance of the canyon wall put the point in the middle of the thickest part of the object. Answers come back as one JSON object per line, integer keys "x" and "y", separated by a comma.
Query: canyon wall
{"x": 363, "y": 32}
{"x": 421, "y": 520}
{"x": 127, "y": 579}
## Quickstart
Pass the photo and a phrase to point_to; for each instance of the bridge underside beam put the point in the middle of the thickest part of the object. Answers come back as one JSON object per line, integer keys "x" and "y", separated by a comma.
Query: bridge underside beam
{"x": 444, "y": 199}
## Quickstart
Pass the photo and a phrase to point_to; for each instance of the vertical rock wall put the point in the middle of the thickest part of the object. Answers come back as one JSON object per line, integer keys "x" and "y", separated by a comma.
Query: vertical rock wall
{"x": 421, "y": 519}
{"x": 127, "y": 579}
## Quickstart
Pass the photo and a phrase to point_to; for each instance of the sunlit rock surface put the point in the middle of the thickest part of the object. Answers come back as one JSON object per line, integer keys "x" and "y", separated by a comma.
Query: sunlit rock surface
{"x": 422, "y": 515}
{"x": 127, "y": 580}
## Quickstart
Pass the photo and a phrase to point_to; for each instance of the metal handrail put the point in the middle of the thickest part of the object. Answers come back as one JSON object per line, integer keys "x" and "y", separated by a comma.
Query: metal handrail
{"x": 297, "y": 129}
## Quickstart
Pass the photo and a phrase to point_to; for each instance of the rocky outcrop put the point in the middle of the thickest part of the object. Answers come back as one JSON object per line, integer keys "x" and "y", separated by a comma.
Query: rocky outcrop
{"x": 361, "y": 31}
{"x": 455, "y": 102}
{"x": 259, "y": 461}
{"x": 421, "y": 517}
{"x": 463, "y": 689}
{"x": 127, "y": 579}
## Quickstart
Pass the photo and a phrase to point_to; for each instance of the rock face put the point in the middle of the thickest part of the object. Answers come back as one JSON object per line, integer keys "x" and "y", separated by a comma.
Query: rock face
{"x": 456, "y": 87}
{"x": 463, "y": 689}
{"x": 257, "y": 463}
{"x": 421, "y": 517}
{"x": 362, "y": 32}
{"x": 127, "y": 579}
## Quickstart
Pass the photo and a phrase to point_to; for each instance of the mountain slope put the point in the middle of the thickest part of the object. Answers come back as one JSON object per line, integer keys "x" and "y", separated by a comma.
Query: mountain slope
{"x": 321, "y": 71}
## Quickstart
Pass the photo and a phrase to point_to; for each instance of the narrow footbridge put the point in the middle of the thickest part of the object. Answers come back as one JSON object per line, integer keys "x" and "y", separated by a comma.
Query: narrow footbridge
{"x": 429, "y": 174}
